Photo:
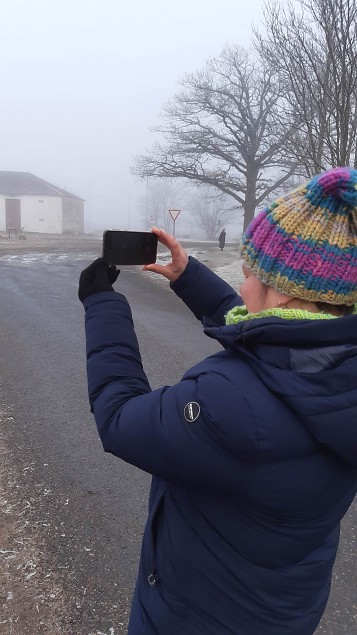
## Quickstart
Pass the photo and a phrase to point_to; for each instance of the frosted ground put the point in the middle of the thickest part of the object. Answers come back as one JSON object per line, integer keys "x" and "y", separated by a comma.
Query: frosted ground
{"x": 226, "y": 264}
{"x": 59, "y": 249}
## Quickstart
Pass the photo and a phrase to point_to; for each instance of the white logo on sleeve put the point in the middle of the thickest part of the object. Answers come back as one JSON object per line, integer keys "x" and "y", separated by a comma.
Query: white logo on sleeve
{"x": 191, "y": 411}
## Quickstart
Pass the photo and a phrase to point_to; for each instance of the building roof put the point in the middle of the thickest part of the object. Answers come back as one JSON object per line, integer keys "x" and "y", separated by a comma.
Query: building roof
{"x": 20, "y": 183}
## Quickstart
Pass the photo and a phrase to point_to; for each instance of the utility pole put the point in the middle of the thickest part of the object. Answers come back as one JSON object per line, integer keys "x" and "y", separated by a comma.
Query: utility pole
{"x": 146, "y": 205}
{"x": 129, "y": 204}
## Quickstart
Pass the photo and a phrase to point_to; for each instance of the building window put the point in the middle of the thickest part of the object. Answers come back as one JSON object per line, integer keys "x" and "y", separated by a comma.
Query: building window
{"x": 40, "y": 200}
{"x": 41, "y": 220}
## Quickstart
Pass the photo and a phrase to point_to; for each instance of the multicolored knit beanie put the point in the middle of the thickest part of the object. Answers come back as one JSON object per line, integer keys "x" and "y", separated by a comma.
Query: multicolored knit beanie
{"x": 305, "y": 243}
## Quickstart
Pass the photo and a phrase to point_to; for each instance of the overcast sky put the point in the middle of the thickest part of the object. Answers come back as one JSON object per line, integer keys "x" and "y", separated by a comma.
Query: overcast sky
{"x": 82, "y": 81}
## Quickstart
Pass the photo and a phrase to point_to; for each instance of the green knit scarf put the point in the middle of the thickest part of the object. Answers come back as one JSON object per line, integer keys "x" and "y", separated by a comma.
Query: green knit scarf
{"x": 240, "y": 314}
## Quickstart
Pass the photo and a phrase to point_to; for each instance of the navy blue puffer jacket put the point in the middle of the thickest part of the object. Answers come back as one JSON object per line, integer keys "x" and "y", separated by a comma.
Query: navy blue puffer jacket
{"x": 254, "y": 462}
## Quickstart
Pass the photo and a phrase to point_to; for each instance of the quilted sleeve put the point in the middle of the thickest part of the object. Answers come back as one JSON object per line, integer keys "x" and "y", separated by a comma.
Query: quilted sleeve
{"x": 205, "y": 293}
{"x": 193, "y": 433}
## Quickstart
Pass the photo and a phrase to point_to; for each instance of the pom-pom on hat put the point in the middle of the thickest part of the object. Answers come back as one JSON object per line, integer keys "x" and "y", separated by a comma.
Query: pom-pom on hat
{"x": 305, "y": 243}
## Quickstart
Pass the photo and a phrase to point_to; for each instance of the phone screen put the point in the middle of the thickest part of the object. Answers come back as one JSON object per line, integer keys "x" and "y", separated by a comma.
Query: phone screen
{"x": 129, "y": 247}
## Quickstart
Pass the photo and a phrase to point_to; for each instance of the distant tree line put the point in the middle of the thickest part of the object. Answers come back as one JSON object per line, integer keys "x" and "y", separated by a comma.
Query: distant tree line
{"x": 251, "y": 123}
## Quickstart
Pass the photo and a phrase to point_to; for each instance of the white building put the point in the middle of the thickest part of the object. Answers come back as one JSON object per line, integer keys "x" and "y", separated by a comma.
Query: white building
{"x": 30, "y": 204}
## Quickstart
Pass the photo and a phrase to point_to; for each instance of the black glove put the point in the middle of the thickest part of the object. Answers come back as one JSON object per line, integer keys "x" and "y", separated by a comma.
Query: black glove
{"x": 99, "y": 276}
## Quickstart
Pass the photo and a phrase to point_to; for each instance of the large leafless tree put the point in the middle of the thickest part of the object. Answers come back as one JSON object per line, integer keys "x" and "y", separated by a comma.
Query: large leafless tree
{"x": 223, "y": 129}
{"x": 312, "y": 44}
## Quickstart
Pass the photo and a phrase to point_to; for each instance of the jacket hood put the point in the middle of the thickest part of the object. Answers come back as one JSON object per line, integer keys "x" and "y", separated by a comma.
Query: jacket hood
{"x": 310, "y": 365}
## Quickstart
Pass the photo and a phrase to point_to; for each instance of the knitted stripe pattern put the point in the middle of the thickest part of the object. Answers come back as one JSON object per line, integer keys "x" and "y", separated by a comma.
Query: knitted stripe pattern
{"x": 305, "y": 243}
{"x": 240, "y": 314}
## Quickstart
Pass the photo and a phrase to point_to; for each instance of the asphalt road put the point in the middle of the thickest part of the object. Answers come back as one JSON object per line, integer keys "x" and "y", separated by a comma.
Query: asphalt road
{"x": 92, "y": 505}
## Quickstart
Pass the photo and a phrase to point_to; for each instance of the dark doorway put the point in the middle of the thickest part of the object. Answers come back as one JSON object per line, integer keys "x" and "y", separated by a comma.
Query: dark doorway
{"x": 13, "y": 214}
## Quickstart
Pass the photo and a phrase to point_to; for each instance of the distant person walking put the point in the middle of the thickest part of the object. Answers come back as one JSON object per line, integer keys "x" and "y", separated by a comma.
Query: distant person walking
{"x": 222, "y": 239}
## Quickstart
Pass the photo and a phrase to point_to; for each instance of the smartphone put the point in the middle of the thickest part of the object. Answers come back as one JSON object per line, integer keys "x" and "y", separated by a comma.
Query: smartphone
{"x": 129, "y": 248}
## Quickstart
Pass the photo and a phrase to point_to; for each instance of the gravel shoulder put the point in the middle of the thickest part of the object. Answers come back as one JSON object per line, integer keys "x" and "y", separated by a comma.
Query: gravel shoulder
{"x": 31, "y": 596}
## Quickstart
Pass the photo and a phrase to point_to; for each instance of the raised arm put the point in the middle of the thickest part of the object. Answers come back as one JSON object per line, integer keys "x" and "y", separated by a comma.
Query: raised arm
{"x": 156, "y": 430}
{"x": 204, "y": 293}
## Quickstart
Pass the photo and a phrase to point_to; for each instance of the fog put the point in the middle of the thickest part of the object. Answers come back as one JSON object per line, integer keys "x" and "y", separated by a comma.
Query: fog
{"x": 82, "y": 81}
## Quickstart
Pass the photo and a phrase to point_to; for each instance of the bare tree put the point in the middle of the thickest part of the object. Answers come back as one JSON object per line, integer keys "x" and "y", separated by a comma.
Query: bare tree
{"x": 224, "y": 130}
{"x": 212, "y": 210}
{"x": 161, "y": 196}
{"x": 312, "y": 44}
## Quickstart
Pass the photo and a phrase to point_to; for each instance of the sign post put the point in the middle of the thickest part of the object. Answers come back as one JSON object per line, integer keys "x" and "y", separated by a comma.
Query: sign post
{"x": 174, "y": 214}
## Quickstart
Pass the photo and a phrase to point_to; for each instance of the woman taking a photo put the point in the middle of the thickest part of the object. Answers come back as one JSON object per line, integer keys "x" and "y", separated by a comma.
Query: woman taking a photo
{"x": 254, "y": 452}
